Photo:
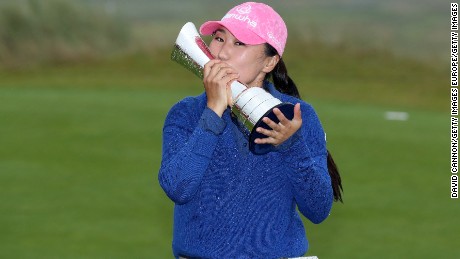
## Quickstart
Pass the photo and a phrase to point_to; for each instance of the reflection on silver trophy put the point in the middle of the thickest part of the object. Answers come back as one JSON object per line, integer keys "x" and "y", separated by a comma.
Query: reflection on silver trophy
{"x": 249, "y": 106}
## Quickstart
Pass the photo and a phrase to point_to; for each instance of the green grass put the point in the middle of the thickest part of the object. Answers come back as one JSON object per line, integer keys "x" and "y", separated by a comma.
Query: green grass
{"x": 79, "y": 173}
{"x": 396, "y": 178}
{"x": 80, "y": 148}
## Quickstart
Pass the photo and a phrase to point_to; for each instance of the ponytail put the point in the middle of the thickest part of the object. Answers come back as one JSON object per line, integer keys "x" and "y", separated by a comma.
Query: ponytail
{"x": 282, "y": 81}
{"x": 279, "y": 75}
{"x": 336, "y": 181}
{"x": 284, "y": 84}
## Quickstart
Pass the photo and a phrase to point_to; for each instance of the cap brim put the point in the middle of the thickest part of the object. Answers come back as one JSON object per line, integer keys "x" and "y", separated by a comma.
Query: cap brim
{"x": 209, "y": 27}
{"x": 241, "y": 33}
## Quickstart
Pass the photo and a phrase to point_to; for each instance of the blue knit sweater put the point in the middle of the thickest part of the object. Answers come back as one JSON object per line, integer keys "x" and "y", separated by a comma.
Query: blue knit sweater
{"x": 230, "y": 203}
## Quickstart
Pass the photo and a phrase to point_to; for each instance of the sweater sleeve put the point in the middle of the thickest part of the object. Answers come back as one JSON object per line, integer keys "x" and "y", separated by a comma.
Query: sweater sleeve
{"x": 189, "y": 140}
{"x": 306, "y": 156}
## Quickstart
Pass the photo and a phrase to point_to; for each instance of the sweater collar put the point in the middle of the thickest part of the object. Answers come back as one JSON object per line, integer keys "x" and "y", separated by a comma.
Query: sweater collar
{"x": 269, "y": 87}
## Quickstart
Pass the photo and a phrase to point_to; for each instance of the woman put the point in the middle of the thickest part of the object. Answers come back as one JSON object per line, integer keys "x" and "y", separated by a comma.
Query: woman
{"x": 229, "y": 202}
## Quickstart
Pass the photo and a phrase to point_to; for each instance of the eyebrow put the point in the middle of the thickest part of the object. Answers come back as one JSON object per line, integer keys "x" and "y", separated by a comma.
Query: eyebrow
{"x": 220, "y": 30}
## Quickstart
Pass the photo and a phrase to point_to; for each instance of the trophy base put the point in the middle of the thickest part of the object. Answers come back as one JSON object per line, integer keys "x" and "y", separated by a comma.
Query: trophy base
{"x": 259, "y": 149}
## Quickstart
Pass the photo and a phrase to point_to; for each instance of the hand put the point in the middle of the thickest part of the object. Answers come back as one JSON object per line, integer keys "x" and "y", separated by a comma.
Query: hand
{"x": 280, "y": 131}
{"x": 217, "y": 77}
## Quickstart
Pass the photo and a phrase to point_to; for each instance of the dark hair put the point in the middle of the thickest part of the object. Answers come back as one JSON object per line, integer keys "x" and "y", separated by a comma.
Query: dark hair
{"x": 279, "y": 75}
{"x": 284, "y": 84}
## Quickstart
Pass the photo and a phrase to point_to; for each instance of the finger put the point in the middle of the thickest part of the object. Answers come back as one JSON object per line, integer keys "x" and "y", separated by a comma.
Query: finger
{"x": 229, "y": 96}
{"x": 266, "y": 132}
{"x": 282, "y": 119}
{"x": 231, "y": 78}
{"x": 297, "y": 112}
{"x": 208, "y": 66}
{"x": 217, "y": 71}
{"x": 225, "y": 72}
{"x": 268, "y": 140}
{"x": 273, "y": 125}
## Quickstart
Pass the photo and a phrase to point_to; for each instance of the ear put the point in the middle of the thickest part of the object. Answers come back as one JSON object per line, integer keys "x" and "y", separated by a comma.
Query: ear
{"x": 270, "y": 63}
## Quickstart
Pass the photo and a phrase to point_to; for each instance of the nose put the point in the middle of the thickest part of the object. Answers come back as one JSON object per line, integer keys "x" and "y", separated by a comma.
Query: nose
{"x": 224, "y": 52}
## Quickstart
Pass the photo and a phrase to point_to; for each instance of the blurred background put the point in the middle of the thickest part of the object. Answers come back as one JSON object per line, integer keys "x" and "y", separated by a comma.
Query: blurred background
{"x": 85, "y": 86}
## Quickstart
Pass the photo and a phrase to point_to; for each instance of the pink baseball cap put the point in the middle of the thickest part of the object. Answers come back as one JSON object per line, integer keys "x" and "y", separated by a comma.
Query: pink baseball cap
{"x": 252, "y": 23}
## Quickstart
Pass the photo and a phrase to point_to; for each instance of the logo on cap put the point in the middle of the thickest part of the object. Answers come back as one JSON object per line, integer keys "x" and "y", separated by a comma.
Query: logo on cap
{"x": 242, "y": 15}
{"x": 274, "y": 39}
{"x": 244, "y": 9}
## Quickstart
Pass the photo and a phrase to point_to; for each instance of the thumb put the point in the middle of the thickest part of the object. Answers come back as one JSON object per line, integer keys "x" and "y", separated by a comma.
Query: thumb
{"x": 297, "y": 113}
{"x": 229, "y": 96}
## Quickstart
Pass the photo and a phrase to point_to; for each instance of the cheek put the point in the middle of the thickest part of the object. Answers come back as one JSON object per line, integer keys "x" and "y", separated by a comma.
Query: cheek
{"x": 247, "y": 72}
{"x": 243, "y": 62}
{"x": 249, "y": 64}
{"x": 213, "y": 49}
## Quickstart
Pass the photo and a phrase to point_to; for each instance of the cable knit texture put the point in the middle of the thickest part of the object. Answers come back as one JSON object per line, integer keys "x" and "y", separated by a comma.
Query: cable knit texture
{"x": 230, "y": 203}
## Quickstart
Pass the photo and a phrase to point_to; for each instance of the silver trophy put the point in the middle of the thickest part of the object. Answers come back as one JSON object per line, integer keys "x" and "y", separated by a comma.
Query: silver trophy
{"x": 249, "y": 106}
